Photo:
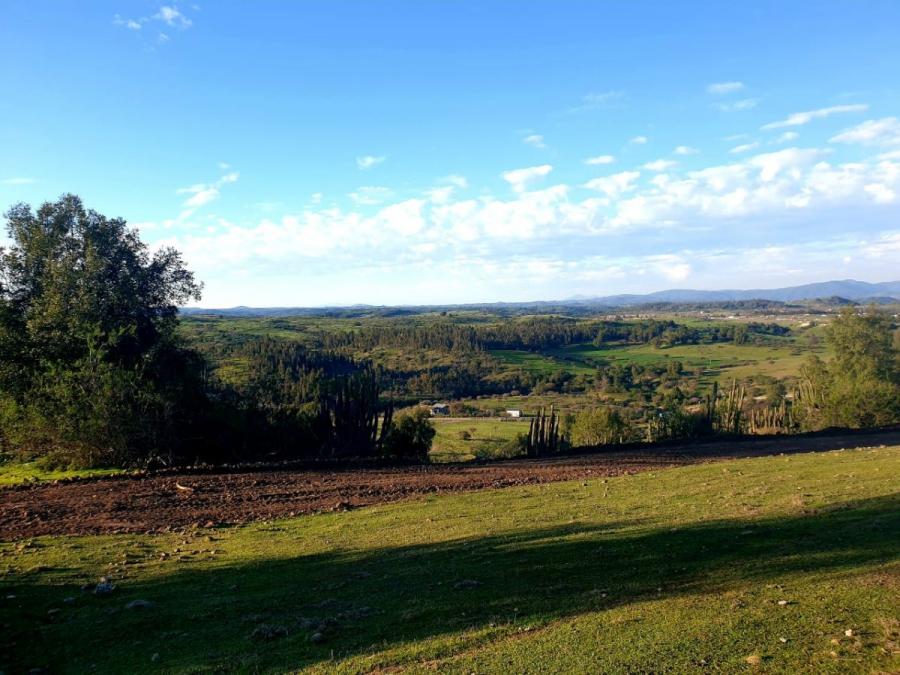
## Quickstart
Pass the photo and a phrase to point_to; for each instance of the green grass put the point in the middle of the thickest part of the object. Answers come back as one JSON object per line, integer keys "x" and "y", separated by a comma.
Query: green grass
{"x": 538, "y": 363}
{"x": 726, "y": 359}
{"x": 684, "y": 570}
{"x": 487, "y": 437}
{"x": 13, "y": 473}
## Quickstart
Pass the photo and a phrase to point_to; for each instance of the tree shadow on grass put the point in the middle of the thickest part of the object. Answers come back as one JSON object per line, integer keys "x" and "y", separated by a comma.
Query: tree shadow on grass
{"x": 298, "y": 611}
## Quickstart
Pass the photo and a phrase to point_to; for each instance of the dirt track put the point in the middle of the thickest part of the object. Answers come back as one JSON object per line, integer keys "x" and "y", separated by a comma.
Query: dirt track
{"x": 156, "y": 503}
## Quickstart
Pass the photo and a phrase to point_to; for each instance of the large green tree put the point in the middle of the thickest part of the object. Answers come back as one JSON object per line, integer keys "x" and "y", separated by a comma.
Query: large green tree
{"x": 90, "y": 367}
{"x": 860, "y": 385}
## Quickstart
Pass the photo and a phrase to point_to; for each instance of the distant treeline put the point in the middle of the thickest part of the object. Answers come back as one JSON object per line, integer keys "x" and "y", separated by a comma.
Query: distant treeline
{"x": 545, "y": 332}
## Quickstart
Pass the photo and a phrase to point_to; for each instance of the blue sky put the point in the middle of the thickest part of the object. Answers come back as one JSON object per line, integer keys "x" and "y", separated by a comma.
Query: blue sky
{"x": 314, "y": 153}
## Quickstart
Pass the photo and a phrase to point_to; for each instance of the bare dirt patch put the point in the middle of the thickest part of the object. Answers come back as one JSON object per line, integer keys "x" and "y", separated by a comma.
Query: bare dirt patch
{"x": 160, "y": 502}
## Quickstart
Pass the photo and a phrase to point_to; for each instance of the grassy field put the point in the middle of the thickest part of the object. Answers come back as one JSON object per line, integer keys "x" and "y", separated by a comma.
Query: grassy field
{"x": 486, "y": 437}
{"x": 725, "y": 358}
{"x": 13, "y": 473}
{"x": 788, "y": 564}
{"x": 721, "y": 360}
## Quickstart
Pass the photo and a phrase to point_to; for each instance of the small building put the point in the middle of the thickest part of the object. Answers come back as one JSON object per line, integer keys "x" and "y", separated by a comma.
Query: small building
{"x": 440, "y": 409}
{"x": 514, "y": 413}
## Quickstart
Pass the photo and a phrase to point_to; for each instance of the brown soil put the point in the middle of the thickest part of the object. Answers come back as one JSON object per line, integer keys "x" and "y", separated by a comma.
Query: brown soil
{"x": 155, "y": 503}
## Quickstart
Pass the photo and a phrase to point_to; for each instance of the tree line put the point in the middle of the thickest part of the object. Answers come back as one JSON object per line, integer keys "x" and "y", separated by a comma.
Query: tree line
{"x": 93, "y": 372}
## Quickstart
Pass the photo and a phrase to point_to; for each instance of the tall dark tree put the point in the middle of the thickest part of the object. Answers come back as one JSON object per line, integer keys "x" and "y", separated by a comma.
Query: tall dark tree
{"x": 90, "y": 361}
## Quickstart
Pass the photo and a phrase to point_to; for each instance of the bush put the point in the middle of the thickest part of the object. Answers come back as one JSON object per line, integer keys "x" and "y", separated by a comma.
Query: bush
{"x": 410, "y": 436}
{"x": 602, "y": 426}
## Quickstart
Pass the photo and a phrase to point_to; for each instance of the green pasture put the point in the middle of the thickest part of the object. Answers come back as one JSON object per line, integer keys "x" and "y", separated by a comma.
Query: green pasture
{"x": 787, "y": 564}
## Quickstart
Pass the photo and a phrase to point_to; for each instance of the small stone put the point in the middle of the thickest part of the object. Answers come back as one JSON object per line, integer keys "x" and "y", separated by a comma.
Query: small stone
{"x": 69, "y": 600}
{"x": 849, "y": 632}
{"x": 317, "y": 638}
{"x": 753, "y": 660}
{"x": 266, "y": 633}
{"x": 466, "y": 584}
{"x": 782, "y": 603}
{"x": 782, "y": 640}
{"x": 155, "y": 657}
{"x": 139, "y": 604}
{"x": 105, "y": 587}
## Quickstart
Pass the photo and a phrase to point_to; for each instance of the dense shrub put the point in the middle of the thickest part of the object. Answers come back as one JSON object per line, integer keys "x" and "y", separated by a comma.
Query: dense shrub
{"x": 602, "y": 426}
{"x": 410, "y": 436}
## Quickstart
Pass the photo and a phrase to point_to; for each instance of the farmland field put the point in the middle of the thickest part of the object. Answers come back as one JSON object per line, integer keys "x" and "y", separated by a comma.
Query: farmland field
{"x": 463, "y": 439}
{"x": 787, "y": 563}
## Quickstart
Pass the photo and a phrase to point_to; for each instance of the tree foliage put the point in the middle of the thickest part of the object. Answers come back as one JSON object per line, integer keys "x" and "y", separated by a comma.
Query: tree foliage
{"x": 860, "y": 385}
{"x": 89, "y": 354}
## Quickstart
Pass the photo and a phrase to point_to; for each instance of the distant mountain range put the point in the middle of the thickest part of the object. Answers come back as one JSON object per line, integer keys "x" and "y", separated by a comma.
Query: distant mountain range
{"x": 847, "y": 289}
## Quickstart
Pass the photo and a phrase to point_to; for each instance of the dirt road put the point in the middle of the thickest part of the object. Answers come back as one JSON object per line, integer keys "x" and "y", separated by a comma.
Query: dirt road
{"x": 156, "y": 503}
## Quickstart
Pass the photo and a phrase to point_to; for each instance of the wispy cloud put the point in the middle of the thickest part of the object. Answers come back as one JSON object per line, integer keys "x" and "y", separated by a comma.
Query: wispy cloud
{"x": 787, "y": 137}
{"x": 883, "y": 132}
{"x": 599, "y": 160}
{"x": 169, "y": 16}
{"x": 369, "y": 195}
{"x": 18, "y": 180}
{"x": 172, "y": 16}
{"x": 535, "y": 141}
{"x": 520, "y": 178}
{"x": 801, "y": 118}
{"x": 639, "y": 140}
{"x": 720, "y": 88}
{"x": 201, "y": 194}
{"x": 597, "y": 101}
{"x": 685, "y": 150}
{"x": 746, "y": 147}
{"x": 660, "y": 165}
{"x": 737, "y": 106}
{"x": 368, "y": 161}
{"x": 615, "y": 185}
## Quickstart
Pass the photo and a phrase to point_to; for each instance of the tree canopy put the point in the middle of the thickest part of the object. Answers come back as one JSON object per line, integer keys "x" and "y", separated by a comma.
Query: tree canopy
{"x": 87, "y": 333}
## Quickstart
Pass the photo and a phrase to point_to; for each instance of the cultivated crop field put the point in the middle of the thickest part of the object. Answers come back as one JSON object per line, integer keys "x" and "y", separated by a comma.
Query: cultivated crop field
{"x": 784, "y": 563}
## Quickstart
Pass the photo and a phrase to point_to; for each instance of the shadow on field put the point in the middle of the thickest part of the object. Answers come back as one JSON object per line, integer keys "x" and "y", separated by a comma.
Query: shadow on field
{"x": 299, "y": 611}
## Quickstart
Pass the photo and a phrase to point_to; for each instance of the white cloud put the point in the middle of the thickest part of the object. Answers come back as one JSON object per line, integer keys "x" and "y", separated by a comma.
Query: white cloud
{"x": 168, "y": 15}
{"x": 456, "y": 180}
{"x": 17, "y": 180}
{"x": 639, "y": 140}
{"x": 746, "y": 147}
{"x": 660, "y": 165}
{"x": 719, "y": 88}
{"x": 202, "y": 194}
{"x": 685, "y": 150}
{"x": 599, "y": 160}
{"x": 801, "y": 118}
{"x": 672, "y": 267}
{"x": 615, "y": 185}
{"x": 368, "y": 161}
{"x": 535, "y": 141}
{"x": 883, "y": 132}
{"x": 520, "y": 178}
{"x": 485, "y": 238}
{"x": 597, "y": 101}
{"x": 172, "y": 16}
{"x": 787, "y": 137}
{"x": 369, "y": 195}
{"x": 737, "y": 106}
